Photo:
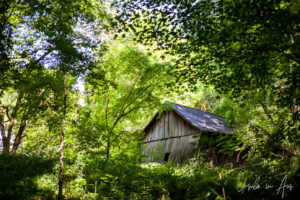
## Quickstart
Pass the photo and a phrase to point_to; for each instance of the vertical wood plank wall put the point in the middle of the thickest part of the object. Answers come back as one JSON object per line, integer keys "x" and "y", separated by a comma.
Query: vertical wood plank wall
{"x": 169, "y": 134}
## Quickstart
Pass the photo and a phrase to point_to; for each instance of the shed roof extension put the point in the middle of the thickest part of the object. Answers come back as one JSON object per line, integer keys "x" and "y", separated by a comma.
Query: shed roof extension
{"x": 200, "y": 119}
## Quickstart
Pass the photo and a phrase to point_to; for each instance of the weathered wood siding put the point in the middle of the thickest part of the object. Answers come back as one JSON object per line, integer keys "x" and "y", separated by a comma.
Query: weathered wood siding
{"x": 169, "y": 134}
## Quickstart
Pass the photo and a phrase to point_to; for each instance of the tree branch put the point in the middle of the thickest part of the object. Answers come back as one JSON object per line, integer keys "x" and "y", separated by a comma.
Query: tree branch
{"x": 34, "y": 62}
{"x": 127, "y": 97}
{"x": 7, "y": 112}
{"x": 106, "y": 113}
{"x": 265, "y": 108}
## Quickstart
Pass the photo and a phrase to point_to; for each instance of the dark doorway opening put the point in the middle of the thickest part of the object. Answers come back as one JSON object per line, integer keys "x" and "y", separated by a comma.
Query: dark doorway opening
{"x": 166, "y": 157}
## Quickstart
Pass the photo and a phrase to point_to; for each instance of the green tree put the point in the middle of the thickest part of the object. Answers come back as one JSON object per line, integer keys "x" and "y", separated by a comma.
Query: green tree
{"x": 42, "y": 39}
{"x": 19, "y": 105}
{"x": 132, "y": 82}
{"x": 248, "y": 50}
{"x": 36, "y": 38}
{"x": 51, "y": 134}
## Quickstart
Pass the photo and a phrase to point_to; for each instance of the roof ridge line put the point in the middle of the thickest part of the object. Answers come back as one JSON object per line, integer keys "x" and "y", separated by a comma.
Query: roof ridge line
{"x": 195, "y": 109}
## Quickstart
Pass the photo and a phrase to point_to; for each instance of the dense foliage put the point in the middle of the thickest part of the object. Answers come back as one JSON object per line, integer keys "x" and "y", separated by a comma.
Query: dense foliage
{"x": 18, "y": 175}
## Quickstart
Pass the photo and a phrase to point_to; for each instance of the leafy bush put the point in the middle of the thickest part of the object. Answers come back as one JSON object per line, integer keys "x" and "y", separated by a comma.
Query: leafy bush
{"x": 18, "y": 176}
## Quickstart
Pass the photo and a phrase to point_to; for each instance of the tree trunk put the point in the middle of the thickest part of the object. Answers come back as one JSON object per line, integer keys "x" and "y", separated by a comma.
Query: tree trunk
{"x": 61, "y": 162}
{"x": 5, "y": 142}
{"x": 9, "y": 131}
{"x": 108, "y": 150}
{"x": 6, "y": 137}
{"x": 18, "y": 137}
{"x": 61, "y": 147}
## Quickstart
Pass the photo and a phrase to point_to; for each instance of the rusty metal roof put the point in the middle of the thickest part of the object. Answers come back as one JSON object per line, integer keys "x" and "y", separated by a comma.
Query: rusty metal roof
{"x": 200, "y": 119}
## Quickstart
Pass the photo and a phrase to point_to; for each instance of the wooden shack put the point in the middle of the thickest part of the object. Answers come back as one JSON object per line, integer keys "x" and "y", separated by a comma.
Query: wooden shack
{"x": 172, "y": 136}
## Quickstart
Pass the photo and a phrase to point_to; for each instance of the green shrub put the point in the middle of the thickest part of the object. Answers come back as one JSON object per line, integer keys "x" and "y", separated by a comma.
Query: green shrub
{"x": 18, "y": 175}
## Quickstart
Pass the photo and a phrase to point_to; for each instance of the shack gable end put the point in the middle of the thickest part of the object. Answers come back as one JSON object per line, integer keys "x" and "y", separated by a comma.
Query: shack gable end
{"x": 170, "y": 136}
{"x": 169, "y": 125}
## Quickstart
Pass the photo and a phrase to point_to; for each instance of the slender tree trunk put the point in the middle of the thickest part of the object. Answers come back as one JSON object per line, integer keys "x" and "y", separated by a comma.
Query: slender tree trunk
{"x": 9, "y": 131}
{"x": 61, "y": 147}
{"x": 108, "y": 150}
{"x": 223, "y": 189}
{"x": 5, "y": 142}
{"x": 18, "y": 137}
{"x": 61, "y": 162}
